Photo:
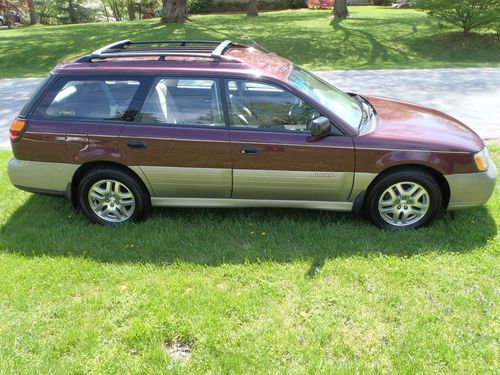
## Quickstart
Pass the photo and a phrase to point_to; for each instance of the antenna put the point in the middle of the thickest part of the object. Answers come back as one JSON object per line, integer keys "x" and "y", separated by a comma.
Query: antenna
{"x": 253, "y": 41}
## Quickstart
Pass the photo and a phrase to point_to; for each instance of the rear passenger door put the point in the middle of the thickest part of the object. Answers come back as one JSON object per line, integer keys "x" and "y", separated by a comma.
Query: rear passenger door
{"x": 81, "y": 117}
{"x": 179, "y": 139}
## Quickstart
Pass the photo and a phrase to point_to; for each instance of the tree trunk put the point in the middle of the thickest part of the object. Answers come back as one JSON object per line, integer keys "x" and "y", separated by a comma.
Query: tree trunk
{"x": 72, "y": 11}
{"x": 252, "y": 8}
{"x": 31, "y": 8}
{"x": 174, "y": 11}
{"x": 115, "y": 8}
{"x": 131, "y": 10}
{"x": 466, "y": 26}
{"x": 9, "y": 20}
{"x": 105, "y": 10}
{"x": 340, "y": 9}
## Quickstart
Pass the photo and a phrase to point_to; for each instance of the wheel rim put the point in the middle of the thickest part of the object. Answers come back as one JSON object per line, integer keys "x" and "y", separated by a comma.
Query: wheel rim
{"x": 111, "y": 200}
{"x": 403, "y": 204}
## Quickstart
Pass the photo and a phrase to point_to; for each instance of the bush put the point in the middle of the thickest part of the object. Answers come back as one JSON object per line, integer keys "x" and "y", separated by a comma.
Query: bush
{"x": 381, "y": 2}
{"x": 467, "y": 14}
{"x": 213, "y": 6}
{"x": 320, "y": 4}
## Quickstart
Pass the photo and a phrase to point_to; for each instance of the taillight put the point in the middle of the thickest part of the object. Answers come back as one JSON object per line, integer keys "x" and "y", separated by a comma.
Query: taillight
{"x": 17, "y": 129}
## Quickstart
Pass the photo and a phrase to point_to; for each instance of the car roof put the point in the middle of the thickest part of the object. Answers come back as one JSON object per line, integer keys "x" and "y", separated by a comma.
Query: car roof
{"x": 179, "y": 57}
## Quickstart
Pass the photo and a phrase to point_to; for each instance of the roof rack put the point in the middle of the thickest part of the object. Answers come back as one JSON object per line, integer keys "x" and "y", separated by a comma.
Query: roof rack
{"x": 207, "y": 49}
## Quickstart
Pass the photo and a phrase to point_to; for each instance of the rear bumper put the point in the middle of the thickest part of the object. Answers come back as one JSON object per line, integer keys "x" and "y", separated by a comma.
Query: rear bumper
{"x": 471, "y": 189}
{"x": 41, "y": 177}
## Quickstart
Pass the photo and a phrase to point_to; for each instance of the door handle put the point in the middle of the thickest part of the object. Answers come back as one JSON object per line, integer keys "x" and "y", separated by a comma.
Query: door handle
{"x": 133, "y": 143}
{"x": 249, "y": 150}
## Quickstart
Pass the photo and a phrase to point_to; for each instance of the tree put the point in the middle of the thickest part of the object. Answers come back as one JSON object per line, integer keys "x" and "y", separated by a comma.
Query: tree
{"x": 340, "y": 9}
{"x": 72, "y": 13}
{"x": 467, "y": 14}
{"x": 131, "y": 9}
{"x": 252, "y": 8}
{"x": 174, "y": 11}
{"x": 32, "y": 12}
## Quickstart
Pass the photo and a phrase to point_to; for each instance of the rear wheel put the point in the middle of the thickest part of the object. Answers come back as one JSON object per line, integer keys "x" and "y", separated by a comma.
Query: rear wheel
{"x": 404, "y": 199}
{"x": 110, "y": 197}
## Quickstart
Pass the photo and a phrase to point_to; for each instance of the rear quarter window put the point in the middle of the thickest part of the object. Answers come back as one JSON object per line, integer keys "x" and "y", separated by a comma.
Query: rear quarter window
{"x": 37, "y": 94}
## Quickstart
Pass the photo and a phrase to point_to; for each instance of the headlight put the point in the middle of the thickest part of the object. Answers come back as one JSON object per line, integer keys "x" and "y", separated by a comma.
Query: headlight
{"x": 482, "y": 159}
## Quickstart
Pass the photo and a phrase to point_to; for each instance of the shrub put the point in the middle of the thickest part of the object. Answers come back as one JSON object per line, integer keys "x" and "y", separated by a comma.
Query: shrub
{"x": 468, "y": 14}
{"x": 381, "y": 2}
{"x": 209, "y": 6}
{"x": 320, "y": 4}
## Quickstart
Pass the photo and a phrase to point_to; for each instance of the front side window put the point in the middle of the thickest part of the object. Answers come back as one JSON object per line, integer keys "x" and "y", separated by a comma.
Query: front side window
{"x": 93, "y": 99}
{"x": 260, "y": 105}
{"x": 344, "y": 106}
{"x": 183, "y": 101}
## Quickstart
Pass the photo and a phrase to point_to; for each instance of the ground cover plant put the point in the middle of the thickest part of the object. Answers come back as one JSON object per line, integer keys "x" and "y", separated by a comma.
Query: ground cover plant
{"x": 245, "y": 290}
{"x": 374, "y": 38}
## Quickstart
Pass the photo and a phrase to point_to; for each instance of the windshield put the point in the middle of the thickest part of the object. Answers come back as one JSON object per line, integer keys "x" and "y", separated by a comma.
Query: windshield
{"x": 343, "y": 105}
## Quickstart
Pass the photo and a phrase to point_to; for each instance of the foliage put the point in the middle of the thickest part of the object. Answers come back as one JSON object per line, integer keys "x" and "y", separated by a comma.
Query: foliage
{"x": 52, "y": 12}
{"x": 467, "y": 14}
{"x": 382, "y": 2}
{"x": 374, "y": 38}
{"x": 214, "y": 6}
{"x": 247, "y": 290}
{"x": 320, "y": 4}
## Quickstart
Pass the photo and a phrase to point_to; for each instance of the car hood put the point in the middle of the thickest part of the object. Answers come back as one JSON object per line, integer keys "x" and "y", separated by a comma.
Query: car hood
{"x": 407, "y": 125}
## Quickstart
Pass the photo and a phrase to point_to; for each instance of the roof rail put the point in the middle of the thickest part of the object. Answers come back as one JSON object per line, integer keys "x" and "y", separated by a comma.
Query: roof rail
{"x": 207, "y": 49}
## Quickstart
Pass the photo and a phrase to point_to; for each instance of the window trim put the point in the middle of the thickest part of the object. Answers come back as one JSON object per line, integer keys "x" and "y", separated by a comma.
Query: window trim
{"x": 156, "y": 77}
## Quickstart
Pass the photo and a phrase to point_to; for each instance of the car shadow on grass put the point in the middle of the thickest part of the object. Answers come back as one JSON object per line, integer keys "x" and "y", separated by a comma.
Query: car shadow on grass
{"x": 45, "y": 226}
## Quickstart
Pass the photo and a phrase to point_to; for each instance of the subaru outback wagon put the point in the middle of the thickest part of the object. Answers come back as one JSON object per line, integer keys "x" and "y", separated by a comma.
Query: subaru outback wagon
{"x": 219, "y": 124}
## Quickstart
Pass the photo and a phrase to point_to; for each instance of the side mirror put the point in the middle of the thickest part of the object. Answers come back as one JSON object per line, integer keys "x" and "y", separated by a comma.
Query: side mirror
{"x": 320, "y": 126}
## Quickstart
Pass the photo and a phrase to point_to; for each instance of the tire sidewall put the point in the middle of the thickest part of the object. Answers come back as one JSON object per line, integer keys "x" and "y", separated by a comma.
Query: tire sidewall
{"x": 141, "y": 198}
{"x": 423, "y": 179}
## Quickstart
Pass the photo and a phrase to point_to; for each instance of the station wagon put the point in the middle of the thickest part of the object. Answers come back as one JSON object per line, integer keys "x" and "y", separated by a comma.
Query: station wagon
{"x": 193, "y": 123}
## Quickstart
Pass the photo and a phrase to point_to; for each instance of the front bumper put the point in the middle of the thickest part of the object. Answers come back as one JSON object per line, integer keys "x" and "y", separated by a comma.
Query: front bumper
{"x": 471, "y": 189}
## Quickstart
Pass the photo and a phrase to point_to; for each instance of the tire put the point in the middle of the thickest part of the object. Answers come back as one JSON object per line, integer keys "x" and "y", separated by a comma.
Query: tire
{"x": 110, "y": 196}
{"x": 404, "y": 199}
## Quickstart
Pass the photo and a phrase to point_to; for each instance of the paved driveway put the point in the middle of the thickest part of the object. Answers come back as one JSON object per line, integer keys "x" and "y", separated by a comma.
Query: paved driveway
{"x": 471, "y": 95}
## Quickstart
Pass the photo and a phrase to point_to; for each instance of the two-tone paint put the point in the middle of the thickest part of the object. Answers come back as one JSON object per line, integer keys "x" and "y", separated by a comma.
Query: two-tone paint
{"x": 216, "y": 166}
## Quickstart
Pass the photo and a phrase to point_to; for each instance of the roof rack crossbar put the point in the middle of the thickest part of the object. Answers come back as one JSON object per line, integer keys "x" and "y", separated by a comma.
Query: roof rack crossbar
{"x": 124, "y": 48}
{"x": 88, "y": 58}
{"x": 166, "y": 49}
{"x": 180, "y": 41}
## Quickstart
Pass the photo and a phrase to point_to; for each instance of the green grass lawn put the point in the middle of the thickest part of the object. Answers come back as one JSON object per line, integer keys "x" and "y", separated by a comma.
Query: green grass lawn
{"x": 375, "y": 38}
{"x": 248, "y": 290}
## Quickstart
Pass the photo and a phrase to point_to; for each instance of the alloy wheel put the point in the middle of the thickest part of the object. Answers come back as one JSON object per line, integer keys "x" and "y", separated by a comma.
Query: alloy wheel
{"x": 404, "y": 203}
{"x": 111, "y": 200}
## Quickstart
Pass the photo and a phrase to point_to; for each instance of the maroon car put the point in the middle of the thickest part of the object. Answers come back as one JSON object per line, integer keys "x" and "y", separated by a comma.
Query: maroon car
{"x": 209, "y": 124}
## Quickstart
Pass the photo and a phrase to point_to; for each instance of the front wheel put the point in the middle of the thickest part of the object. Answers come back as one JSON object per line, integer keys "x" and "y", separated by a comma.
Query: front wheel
{"x": 110, "y": 197}
{"x": 404, "y": 199}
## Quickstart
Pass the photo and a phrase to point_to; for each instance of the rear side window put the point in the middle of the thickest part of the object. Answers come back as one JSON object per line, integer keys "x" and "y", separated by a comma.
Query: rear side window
{"x": 183, "y": 101}
{"x": 92, "y": 99}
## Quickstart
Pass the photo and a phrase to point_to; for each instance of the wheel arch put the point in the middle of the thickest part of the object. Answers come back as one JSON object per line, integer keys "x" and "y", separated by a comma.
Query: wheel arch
{"x": 86, "y": 167}
{"x": 359, "y": 202}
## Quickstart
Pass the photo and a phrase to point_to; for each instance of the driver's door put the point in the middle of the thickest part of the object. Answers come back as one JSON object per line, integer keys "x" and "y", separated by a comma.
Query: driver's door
{"x": 273, "y": 154}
